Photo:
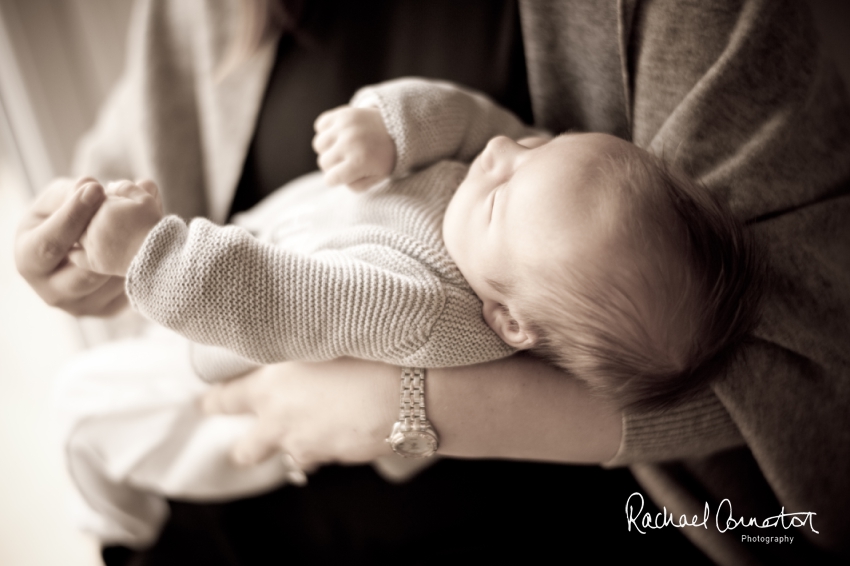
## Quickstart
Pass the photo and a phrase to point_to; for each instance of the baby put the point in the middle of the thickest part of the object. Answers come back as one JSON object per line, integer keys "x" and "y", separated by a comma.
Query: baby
{"x": 583, "y": 248}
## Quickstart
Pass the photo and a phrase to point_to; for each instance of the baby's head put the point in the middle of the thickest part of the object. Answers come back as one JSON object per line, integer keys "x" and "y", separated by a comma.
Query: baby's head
{"x": 594, "y": 253}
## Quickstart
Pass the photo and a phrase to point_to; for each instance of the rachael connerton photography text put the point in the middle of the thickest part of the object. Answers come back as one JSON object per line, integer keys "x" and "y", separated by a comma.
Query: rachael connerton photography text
{"x": 724, "y": 520}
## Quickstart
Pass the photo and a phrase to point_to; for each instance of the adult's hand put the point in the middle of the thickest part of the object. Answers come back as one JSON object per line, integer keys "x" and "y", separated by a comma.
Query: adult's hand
{"x": 338, "y": 411}
{"x": 49, "y": 230}
{"x": 518, "y": 408}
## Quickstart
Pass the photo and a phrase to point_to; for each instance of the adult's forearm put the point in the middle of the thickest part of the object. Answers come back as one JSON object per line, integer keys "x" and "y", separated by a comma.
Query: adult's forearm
{"x": 343, "y": 410}
{"x": 520, "y": 408}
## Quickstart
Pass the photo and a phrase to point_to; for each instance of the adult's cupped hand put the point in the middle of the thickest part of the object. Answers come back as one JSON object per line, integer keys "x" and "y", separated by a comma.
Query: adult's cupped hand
{"x": 338, "y": 411}
{"x": 48, "y": 232}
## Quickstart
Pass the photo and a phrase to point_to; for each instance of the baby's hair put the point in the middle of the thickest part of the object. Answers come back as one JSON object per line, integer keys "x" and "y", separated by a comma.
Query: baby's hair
{"x": 658, "y": 318}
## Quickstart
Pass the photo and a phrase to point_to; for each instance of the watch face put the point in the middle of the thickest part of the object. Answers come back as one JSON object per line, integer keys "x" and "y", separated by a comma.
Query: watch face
{"x": 416, "y": 444}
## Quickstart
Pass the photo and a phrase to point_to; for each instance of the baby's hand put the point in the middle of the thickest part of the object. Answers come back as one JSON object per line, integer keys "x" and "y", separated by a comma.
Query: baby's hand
{"x": 119, "y": 228}
{"x": 354, "y": 147}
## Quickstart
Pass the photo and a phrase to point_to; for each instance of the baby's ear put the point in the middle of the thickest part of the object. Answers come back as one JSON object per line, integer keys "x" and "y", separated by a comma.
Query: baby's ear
{"x": 514, "y": 334}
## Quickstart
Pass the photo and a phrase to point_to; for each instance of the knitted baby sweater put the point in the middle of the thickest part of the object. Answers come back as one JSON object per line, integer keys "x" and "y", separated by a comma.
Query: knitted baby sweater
{"x": 315, "y": 272}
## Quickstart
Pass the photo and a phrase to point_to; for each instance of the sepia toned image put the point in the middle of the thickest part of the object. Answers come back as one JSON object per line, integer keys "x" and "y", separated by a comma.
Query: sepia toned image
{"x": 493, "y": 281}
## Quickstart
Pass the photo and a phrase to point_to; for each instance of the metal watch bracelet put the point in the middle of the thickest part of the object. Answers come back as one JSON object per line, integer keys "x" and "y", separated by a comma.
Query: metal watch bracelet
{"x": 413, "y": 436}
{"x": 412, "y": 408}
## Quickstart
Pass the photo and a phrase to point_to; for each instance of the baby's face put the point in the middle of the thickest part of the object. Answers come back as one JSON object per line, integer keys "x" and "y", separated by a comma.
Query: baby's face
{"x": 520, "y": 209}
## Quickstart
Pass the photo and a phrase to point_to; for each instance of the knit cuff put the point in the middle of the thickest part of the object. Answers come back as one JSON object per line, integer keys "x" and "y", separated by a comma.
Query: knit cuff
{"x": 157, "y": 244}
{"x": 694, "y": 428}
{"x": 430, "y": 121}
{"x": 397, "y": 125}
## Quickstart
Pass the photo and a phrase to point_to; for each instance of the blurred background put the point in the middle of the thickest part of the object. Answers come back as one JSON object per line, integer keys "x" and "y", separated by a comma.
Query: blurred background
{"x": 58, "y": 60}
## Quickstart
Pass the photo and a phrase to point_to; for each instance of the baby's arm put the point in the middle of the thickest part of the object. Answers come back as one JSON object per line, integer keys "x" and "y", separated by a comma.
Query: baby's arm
{"x": 221, "y": 286}
{"x": 433, "y": 120}
{"x": 118, "y": 229}
{"x": 402, "y": 125}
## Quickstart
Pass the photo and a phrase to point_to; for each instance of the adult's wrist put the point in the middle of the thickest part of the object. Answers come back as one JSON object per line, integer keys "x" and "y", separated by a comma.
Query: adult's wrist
{"x": 412, "y": 435}
{"x": 521, "y": 408}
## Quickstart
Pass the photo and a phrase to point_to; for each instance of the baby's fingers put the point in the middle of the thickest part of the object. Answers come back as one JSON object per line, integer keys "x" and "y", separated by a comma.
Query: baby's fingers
{"x": 330, "y": 159}
{"x": 344, "y": 173}
{"x": 131, "y": 190}
{"x": 365, "y": 183}
{"x": 327, "y": 118}
{"x": 121, "y": 189}
{"x": 149, "y": 187}
{"x": 153, "y": 190}
{"x": 324, "y": 140}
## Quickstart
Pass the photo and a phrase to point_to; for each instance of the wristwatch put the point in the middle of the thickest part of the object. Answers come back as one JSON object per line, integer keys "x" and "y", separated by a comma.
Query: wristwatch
{"x": 413, "y": 436}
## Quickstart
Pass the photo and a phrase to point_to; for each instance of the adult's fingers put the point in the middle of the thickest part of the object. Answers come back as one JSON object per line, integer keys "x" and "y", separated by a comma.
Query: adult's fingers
{"x": 54, "y": 196}
{"x": 79, "y": 258}
{"x": 234, "y": 397}
{"x": 42, "y": 248}
{"x": 76, "y": 282}
{"x": 105, "y": 301}
{"x": 258, "y": 444}
{"x": 295, "y": 473}
{"x": 104, "y": 304}
{"x": 113, "y": 306}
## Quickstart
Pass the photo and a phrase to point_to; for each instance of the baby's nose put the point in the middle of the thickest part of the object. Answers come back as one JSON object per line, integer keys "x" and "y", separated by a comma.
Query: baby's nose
{"x": 500, "y": 151}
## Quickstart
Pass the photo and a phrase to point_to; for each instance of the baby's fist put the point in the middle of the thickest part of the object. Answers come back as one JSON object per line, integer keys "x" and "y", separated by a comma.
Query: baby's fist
{"x": 119, "y": 228}
{"x": 354, "y": 147}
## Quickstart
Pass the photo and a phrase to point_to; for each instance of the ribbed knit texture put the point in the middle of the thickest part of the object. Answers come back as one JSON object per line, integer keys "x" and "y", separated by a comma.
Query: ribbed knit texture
{"x": 649, "y": 435}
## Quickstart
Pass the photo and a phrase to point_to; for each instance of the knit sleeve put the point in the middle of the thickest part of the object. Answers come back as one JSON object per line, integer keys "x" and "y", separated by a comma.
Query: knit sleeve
{"x": 434, "y": 120}
{"x": 701, "y": 424}
{"x": 220, "y": 286}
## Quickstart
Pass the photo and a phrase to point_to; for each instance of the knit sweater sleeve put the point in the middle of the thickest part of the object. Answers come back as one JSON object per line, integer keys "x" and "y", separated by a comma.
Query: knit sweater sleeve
{"x": 434, "y": 120}
{"x": 221, "y": 286}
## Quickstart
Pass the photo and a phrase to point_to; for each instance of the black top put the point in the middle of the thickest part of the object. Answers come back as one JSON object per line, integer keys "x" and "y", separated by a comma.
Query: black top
{"x": 340, "y": 46}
